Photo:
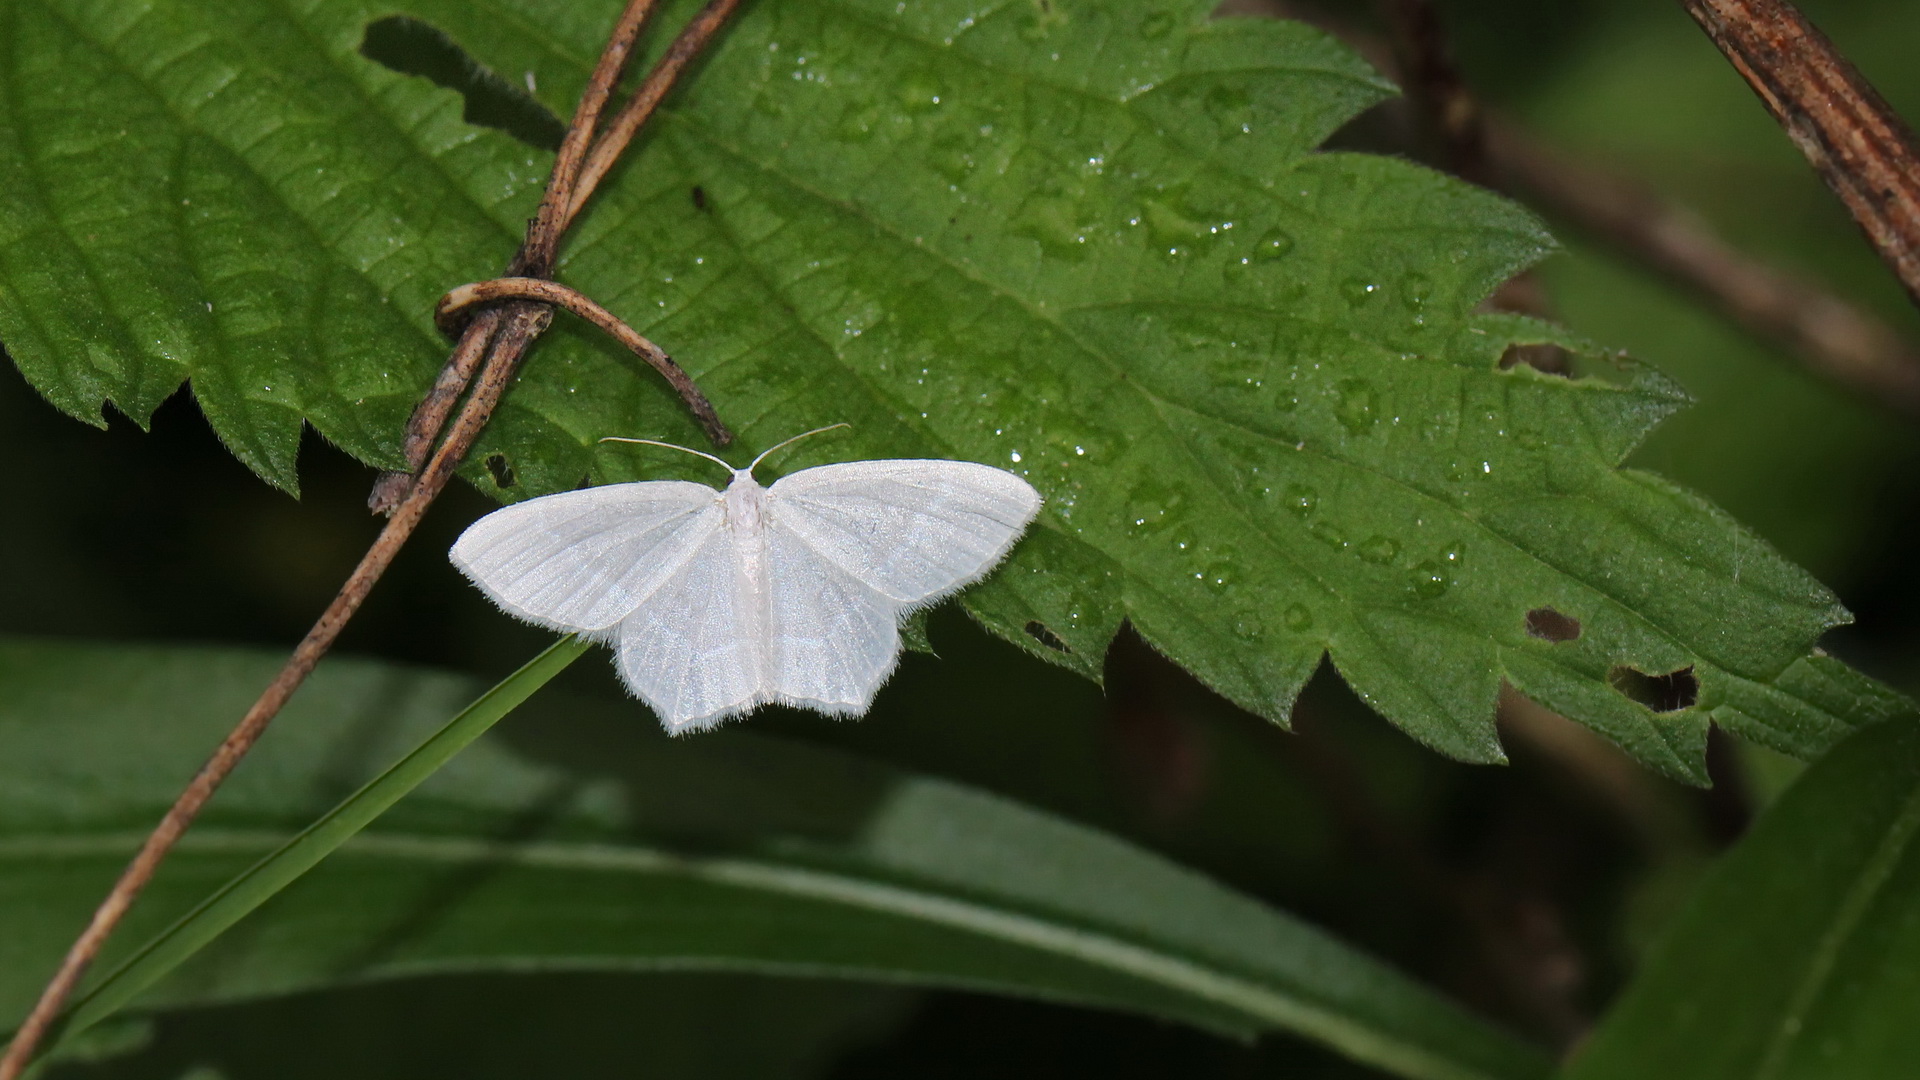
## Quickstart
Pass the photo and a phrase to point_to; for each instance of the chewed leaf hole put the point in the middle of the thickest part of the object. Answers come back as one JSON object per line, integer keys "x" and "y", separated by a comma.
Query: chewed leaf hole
{"x": 1039, "y": 632}
{"x": 1550, "y": 625}
{"x": 1667, "y": 693}
{"x": 412, "y": 47}
{"x": 500, "y": 469}
{"x": 1543, "y": 357}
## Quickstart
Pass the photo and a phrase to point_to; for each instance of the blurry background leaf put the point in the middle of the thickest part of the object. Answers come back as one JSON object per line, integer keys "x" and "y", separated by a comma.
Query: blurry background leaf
{"x": 1799, "y": 957}
{"x": 496, "y": 1027}
{"x": 597, "y": 843}
{"x": 1089, "y": 243}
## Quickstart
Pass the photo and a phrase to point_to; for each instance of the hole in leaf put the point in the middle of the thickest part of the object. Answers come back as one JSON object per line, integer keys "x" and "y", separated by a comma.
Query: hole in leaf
{"x": 699, "y": 197}
{"x": 1542, "y": 357}
{"x": 1550, "y": 625}
{"x": 500, "y": 470}
{"x": 1039, "y": 632}
{"x": 1667, "y": 693}
{"x": 412, "y": 47}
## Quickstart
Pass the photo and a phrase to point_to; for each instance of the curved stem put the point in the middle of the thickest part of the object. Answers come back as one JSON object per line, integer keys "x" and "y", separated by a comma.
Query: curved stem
{"x": 454, "y": 306}
{"x": 502, "y": 337}
{"x": 699, "y": 32}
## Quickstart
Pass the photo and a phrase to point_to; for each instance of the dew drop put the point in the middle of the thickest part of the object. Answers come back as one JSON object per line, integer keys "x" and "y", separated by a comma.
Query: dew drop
{"x": 1431, "y": 579}
{"x": 1358, "y": 291}
{"x": 1301, "y": 499}
{"x": 1416, "y": 290}
{"x": 1232, "y": 108}
{"x": 950, "y": 158}
{"x": 1358, "y": 405}
{"x": 857, "y": 125}
{"x": 1224, "y": 568}
{"x": 1153, "y": 506}
{"x": 1247, "y": 630}
{"x": 1297, "y": 617}
{"x": 920, "y": 96}
{"x": 1379, "y": 549}
{"x": 1174, "y": 231}
{"x": 1326, "y": 533}
{"x": 1275, "y": 243}
{"x": 1052, "y": 220}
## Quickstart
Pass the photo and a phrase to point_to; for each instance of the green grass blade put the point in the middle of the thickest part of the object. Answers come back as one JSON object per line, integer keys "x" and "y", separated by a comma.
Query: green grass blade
{"x": 237, "y": 898}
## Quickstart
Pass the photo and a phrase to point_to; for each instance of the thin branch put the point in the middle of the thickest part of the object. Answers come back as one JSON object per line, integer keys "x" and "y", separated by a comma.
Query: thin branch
{"x": 1832, "y": 336}
{"x": 520, "y": 327}
{"x": 693, "y": 40}
{"x": 534, "y": 259}
{"x": 454, "y": 306}
{"x": 504, "y": 339}
{"x": 423, "y": 427}
{"x": 583, "y": 171}
{"x": 1859, "y": 146}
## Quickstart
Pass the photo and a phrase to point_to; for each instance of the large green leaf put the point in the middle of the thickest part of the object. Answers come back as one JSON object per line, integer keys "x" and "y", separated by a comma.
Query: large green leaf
{"x": 588, "y": 840}
{"x": 1083, "y": 240}
{"x": 1800, "y": 956}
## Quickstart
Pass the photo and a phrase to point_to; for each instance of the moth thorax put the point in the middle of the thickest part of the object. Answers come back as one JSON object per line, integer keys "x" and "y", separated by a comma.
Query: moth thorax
{"x": 746, "y": 503}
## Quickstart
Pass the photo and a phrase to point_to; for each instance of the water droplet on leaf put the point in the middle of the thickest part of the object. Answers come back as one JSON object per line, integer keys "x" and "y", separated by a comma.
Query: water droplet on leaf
{"x": 1431, "y": 579}
{"x": 1379, "y": 549}
{"x": 1358, "y": 405}
{"x": 1273, "y": 244}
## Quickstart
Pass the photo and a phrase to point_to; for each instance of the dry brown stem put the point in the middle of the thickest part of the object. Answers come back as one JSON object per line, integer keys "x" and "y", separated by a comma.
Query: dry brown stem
{"x": 1859, "y": 146}
{"x": 693, "y": 40}
{"x": 502, "y": 336}
{"x": 454, "y": 306}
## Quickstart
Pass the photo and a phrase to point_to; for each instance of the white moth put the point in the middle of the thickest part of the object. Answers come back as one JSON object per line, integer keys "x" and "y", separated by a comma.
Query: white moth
{"x": 718, "y": 602}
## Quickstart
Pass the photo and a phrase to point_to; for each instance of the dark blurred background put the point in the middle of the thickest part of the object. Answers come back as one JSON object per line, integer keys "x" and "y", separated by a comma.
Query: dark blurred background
{"x": 1526, "y": 891}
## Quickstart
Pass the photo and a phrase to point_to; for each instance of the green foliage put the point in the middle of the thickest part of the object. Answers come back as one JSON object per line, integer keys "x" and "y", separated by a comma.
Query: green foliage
{"x": 1800, "y": 956}
{"x": 584, "y": 841}
{"x": 1087, "y": 242}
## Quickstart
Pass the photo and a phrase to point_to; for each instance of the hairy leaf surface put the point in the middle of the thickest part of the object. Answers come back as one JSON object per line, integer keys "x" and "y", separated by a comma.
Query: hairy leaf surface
{"x": 1088, "y": 242}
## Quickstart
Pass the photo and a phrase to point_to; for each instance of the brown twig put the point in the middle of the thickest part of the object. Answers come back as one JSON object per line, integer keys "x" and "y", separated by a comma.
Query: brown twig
{"x": 504, "y": 339}
{"x": 1832, "y": 336}
{"x": 454, "y": 307}
{"x": 1856, "y": 142}
{"x": 693, "y": 40}
{"x": 534, "y": 259}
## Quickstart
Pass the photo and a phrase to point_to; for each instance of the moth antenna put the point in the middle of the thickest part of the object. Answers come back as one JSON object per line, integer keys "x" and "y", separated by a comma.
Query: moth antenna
{"x": 790, "y": 442}
{"x": 671, "y": 446}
